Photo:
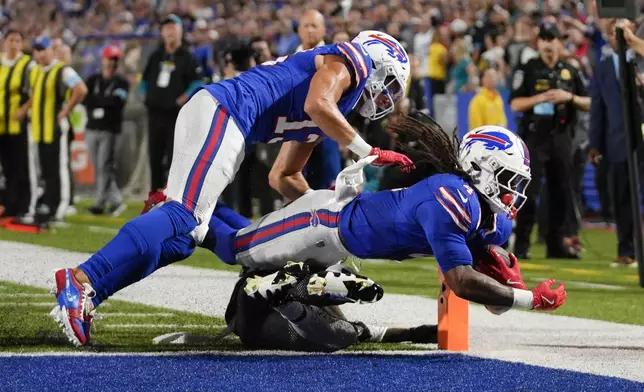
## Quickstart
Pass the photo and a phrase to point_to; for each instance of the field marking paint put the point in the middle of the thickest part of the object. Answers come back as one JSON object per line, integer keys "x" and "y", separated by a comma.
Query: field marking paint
{"x": 245, "y": 353}
{"x": 25, "y": 295}
{"x": 575, "y": 283}
{"x": 150, "y": 326}
{"x": 101, "y": 229}
{"x": 34, "y": 304}
{"x": 99, "y": 316}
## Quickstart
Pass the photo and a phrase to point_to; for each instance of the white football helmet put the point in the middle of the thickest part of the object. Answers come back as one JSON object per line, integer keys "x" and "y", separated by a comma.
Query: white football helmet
{"x": 388, "y": 79}
{"x": 499, "y": 163}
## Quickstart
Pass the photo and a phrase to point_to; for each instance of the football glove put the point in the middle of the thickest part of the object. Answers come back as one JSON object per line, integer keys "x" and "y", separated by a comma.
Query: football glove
{"x": 499, "y": 271}
{"x": 388, "y": 157}
{"x": 545, "y": 297}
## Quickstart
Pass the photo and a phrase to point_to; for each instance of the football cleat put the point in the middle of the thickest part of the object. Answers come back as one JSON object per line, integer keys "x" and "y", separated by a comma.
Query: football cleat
{"x": 154, "y": 199}
{"x": 342, "y": 285}
{"x": 73, "y": 312}
{"x": 274, "y": 287}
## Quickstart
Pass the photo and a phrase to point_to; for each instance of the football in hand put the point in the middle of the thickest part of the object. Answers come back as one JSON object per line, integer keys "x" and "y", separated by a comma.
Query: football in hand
{"x": 482, "y": 257}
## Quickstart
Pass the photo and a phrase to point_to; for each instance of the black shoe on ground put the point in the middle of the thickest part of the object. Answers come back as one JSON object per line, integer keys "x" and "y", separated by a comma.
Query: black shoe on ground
{"x": 96, "y": 210}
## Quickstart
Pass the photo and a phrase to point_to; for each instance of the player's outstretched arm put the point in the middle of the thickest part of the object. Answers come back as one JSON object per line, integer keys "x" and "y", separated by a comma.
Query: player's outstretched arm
{"x": 477, "y": 287}
{"x": 331, "y": 80}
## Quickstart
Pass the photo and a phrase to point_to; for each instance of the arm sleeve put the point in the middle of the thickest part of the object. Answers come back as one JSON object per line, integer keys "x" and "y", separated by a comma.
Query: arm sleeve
{"x": 70, "y": 77}
{"x": 359, "y": 62}
{"x": 597, "y": 114}
{"x": 446, "y": 238}
{"x": 519, "y": 84}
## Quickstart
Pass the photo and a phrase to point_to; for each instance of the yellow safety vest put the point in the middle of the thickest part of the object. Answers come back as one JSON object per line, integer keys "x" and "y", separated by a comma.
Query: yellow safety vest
{"x": 48, "y": 98}
{"x": 13, "y": 94}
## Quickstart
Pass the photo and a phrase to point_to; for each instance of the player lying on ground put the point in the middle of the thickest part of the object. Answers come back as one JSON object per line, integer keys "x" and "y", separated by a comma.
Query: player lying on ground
{"x": 467, "y": 199}
{"x": 297, "y": 99}
{"x": 305, "y": 316}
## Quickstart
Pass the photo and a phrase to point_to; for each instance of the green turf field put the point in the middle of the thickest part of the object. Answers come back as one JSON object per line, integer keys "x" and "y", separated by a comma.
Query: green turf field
{"x": 595, "y": 290}
{"x": 25, "y": 326}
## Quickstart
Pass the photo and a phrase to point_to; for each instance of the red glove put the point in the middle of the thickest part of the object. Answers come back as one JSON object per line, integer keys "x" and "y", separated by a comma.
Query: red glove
{"x": 499, "y": 271}
{"x": 154, "y": 198}
{"x": 388, "y": 157}
{"x": 546, "y": 298}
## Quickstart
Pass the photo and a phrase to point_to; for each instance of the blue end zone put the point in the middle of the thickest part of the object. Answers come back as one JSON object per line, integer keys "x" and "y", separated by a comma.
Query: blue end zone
{"x": 442, "y": 372}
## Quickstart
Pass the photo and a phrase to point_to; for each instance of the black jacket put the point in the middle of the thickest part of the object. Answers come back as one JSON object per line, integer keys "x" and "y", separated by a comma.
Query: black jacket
{"x": 167, "y": 76}
{"x": 105, "y": 102}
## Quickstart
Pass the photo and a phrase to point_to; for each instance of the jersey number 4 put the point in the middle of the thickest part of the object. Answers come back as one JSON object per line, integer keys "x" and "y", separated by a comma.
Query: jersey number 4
{"x": 284, "y": 125}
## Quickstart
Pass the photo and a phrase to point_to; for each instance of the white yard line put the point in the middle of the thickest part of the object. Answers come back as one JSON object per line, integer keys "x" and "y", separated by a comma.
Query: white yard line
{"x": 213, "y": 352}
{"x": 148, "y": 326}
{"x": 118, "y": 314}
{"x": 25, "y": 295}
{"x": 575, "y": 283}
{"x": 101, "y": 229}
{"x": 27, "y": 304}
{"x": 590, "y": 346}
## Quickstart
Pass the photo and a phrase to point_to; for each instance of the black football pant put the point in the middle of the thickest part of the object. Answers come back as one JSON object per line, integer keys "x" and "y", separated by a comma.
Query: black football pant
{"x": 160, "y": 145}
{"x": 619, "y": 184}
{"x": 551, "y": 159}
{"x": 20, "y": 174}
{"x": 56, "y": 174}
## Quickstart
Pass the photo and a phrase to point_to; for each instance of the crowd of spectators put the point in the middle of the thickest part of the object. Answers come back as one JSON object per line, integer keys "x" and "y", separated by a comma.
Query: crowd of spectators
{"x": 454, "y": 40}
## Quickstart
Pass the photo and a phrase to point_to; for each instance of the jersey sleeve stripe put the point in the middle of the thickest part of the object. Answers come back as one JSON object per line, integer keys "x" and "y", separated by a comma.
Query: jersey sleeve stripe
{"x": 356, "y": 59}
{"x": 452, "y": 214}
{"x": 449, "y": 197}
{"x": 358, "y": 53}
{"x": 353, "y": 63}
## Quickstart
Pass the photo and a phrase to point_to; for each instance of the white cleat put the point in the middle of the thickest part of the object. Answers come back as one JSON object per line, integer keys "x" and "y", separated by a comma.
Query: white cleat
{"x": 274, "y": 287}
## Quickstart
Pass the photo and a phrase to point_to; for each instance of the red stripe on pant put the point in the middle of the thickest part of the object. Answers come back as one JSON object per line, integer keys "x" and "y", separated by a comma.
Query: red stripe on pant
{"x": 204, "y": 159}
{"x": 284, "y": 228}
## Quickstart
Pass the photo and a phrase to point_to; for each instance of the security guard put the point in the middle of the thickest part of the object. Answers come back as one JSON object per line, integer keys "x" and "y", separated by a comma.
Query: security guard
{"x": 170, "y": 76}
{"x": 16, "y": 153}
{"x": 549, "y": 92}
{"x": 55, "y": 89}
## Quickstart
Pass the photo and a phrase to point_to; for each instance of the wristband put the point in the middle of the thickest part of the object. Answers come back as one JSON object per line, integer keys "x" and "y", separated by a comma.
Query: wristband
{"x": 359, "y": 147}
{"x": 522, "y": 299}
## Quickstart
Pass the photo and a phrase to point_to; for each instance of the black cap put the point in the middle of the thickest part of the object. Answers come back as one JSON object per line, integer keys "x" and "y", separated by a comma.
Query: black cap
{"x": 548, "y": 31}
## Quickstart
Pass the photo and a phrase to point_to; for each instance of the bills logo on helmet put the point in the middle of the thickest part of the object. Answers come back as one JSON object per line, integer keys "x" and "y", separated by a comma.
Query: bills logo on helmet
{"x": 492, "y": 140}
{"x": 394, "y": 50}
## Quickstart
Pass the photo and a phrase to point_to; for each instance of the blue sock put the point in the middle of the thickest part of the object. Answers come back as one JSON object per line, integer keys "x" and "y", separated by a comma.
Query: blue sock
{"x": 220, "y": 240}
{"x": 135, "y": 251}
{"x": 230, "y": 216}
